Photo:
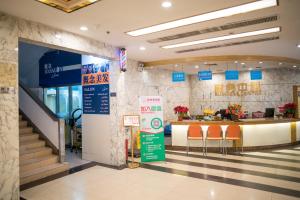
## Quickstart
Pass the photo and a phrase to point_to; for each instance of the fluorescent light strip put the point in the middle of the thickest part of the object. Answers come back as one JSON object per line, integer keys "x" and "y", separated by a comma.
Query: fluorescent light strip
{"x": 206, "y": 17}
{"x": 222, "y": 38}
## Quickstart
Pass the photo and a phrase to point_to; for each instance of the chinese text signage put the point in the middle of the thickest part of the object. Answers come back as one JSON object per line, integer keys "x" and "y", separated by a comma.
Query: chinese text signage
{"x": 239, "y": 89}
{"x": 95, "y": 88}
{"x": 178, "y": 76}
{"x": 152, "y": 130}
{"x": 204, "y": 75}
{"x": 256, "y": 75}
{"x": 131, "y": 120}
{"x": 232, "y": 75}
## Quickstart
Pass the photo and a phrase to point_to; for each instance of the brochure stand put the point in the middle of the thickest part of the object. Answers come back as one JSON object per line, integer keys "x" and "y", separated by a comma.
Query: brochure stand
{"x": 132, "y": 121}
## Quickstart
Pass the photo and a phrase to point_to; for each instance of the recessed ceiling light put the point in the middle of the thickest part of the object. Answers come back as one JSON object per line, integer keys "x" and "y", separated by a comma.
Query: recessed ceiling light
{"x": 235, "y": 62}
{"x": 257, "y": 5}
{"x": 142, "y": 48}
{"x": 197, "y": 66}
{"x": 250, "y": 68}
{"x": 260, "y": 62}
{"x": 205, "y": 63}
{"x": 84, "y": 28}
{"x": 58, "y": 36}
{"x": 298, "y": 45}
{"x": 16, "y": 49}
{"x": 242, "y": 63}
{"x": 222, "y": 38}
{"x": 294, "y": 66}
{"x": 176, "y": 65}
{"x": 166, "y": 4}
{"x": 280, "y": 63}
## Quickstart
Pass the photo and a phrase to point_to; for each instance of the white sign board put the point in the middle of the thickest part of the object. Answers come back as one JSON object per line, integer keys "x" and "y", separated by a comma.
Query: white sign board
{"x": 131, "y": 120}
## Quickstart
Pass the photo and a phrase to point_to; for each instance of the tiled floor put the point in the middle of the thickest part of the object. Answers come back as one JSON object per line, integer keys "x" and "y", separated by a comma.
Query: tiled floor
{"x": 74, "y": 159}
{"x": 257, "y": 175}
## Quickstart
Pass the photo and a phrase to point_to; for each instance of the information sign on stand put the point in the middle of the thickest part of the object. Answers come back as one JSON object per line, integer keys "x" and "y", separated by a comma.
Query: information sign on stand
{"x": 132, "y": 121}
{"x": 152, "y": 129}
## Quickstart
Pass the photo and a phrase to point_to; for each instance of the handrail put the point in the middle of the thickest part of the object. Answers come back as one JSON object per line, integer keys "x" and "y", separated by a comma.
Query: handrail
{"x": 39, "y": 102}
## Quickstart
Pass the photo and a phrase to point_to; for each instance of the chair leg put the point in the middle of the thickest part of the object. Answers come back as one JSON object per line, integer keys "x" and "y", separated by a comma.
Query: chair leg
{"x": 205, "y": 144}
{"x": 187, "y": 147}
{"x": 203, "y": 147}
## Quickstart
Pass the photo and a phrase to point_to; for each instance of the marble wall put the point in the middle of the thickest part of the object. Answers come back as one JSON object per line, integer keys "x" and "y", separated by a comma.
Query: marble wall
{"x": 276, "y": 90}
{"x": 12, "y": 30}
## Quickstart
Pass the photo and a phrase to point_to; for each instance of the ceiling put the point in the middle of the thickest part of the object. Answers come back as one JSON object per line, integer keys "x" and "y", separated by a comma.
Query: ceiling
{"x": 220, "y": 66}
{"x": 118, "y": 17}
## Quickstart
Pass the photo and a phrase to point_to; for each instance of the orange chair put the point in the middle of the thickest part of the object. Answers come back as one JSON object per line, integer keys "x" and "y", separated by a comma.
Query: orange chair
{"x": 194, "y": 133}
{"x": 233, "y": 133}
{"x": 214, "y": 132}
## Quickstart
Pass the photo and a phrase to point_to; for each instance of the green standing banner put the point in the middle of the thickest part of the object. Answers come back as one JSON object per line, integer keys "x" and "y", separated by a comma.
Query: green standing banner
{"x": 152, "y": 129}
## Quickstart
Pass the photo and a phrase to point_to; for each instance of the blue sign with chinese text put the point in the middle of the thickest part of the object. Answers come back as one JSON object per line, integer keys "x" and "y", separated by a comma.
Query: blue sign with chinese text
{"x": 256, "y": 75}
{"x": 57, "y": 68}
{"x": 95, "y": 89}
{"x": 205, "y": 75}
{"x": 178, "y": 76}
{"x": 232, "y": 75}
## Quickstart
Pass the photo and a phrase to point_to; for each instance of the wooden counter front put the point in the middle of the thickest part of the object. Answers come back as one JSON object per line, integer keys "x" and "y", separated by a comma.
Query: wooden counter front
{"x": 240, "y": 122}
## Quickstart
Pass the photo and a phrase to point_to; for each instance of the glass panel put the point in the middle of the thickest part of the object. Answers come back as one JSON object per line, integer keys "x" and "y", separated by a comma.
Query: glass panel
{"x": 77, "y": 101}
{"x": 76, "y": 97}
{"x": 50, "y": 98}
{"x": 63, "y": 107}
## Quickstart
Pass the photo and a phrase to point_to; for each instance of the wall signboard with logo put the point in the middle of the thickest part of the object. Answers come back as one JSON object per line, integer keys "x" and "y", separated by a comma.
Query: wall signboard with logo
{"x": 58, "y": 68}
{"x": 178, "y": 76}
{"x": 95, "y": 88}
{"x": 152, "y": 130}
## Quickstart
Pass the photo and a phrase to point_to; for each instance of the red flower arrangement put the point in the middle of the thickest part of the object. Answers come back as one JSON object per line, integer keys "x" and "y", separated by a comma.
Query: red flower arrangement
{"x": 290, "y": 108}
{"x": 181, "y": 110}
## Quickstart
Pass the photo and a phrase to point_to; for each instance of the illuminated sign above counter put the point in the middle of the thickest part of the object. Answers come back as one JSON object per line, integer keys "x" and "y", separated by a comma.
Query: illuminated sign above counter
{"x": 178, "y": 76}
{"x": 256, "y": 75}
{"x": 205, "y": 75}
{"x": 232, "y": 75}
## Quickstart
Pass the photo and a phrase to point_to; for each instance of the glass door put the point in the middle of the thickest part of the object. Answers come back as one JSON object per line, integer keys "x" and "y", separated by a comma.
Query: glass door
{"x": 63, "y": 105}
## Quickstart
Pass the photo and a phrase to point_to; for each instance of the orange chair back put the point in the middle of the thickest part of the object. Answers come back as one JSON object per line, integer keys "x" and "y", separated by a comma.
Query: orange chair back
{"x": 195, "y": 131}
{"x": 233, "y": 131}
{"x": 214, "y": 131}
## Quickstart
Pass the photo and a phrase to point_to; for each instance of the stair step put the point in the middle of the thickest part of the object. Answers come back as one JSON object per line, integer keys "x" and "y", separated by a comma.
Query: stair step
{"x": 43, "y": 172}
{"x": 31, "y": 144}
{"x": 34, "y": 163}
{"x": 28, "y": 137}
{"x": 25, "y": 130}
{"x": 22, "y": 124}
{"x": 35, "y": 153}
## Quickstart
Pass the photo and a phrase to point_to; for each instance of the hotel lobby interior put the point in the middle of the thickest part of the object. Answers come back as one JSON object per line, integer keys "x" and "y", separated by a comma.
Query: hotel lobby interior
{"x": 160, "y": 99}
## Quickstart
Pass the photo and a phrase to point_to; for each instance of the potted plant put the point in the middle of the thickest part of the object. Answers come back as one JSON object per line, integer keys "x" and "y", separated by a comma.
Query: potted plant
{"x": 181, "y": 112}
{"x": 235, "y": 111}
{"x": 290, "y": 110}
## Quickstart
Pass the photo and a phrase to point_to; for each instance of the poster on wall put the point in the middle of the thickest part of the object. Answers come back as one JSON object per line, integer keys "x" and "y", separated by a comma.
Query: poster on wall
{"x": 95, "y": 88}
{"x": 151, "y": 128}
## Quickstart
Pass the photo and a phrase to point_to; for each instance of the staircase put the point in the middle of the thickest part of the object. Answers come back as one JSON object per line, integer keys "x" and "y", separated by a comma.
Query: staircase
{"x": 36, "y": 160}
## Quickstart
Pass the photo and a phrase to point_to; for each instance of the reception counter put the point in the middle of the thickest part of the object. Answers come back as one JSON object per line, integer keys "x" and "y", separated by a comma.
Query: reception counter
{"x": 256, "y": 133}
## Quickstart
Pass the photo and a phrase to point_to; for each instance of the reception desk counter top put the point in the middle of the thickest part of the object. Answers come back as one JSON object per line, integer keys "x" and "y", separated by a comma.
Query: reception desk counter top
{"x": 240, "y": 122}
{"x": 256, "y": 133}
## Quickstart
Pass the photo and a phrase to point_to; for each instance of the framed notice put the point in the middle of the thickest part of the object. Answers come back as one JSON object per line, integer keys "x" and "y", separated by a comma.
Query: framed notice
{"x": 131, "y": 120}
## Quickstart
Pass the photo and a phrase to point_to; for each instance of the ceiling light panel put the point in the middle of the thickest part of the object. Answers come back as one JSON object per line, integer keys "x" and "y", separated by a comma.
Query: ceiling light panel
{"x": 229, "y": 44}
{"x": 228, "y": 26}
{"x": 222, "y": 38}
{"x": 257, "y": 5}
